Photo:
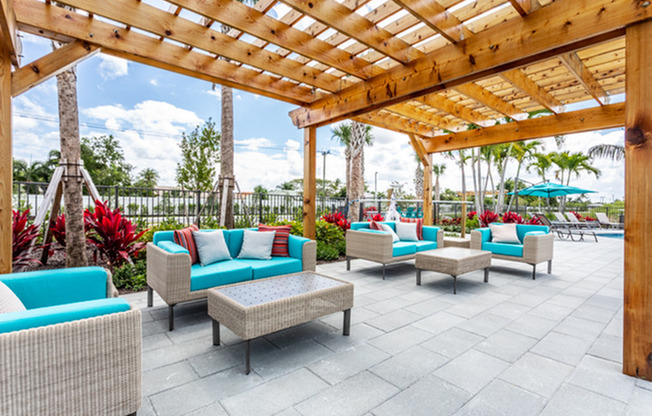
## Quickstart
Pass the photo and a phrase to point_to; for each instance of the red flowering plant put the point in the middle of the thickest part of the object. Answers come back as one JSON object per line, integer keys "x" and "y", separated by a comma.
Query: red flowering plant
{"x": 377, "y": 217}
{"x": 487, "y": 218}
{"x": 534, "y": 221}
{"x": 472, "y": 214}
{"x": 114, "y": 237}
{"x": 451, "y": 221}
{"x": 512, "y": 217}
{"x": 23, "y": 238}
{"x": 338, "y": 219}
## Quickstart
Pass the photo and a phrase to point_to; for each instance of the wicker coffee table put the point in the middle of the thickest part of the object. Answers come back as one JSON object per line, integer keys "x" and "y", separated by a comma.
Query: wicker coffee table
{"x": 260, "y": 307}
{"x": 454, "y": 261}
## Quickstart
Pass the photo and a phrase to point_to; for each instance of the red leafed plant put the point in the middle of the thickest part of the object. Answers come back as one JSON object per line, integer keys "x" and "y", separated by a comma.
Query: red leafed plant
{"x": 487, "y": 218}
{"x": 377, "y": 217}
{"x": 534, "y": 221}
{"x": 451, "y": 221}
{"x": 58, "y": 230}
{"x": 338, "y": 219}
{"x": 512, "y": 217}
{"x": 23, "y": 239}
{"x": 577, "y": 215}
{"x": 114, "y": 237}
{"x": 472, "y": 214}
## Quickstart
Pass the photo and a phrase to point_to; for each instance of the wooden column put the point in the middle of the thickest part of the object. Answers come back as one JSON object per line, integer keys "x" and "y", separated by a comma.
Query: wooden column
{"x": 6, "y": 168}
{"x": 427, "y": 191}
{"x": 637, "y": 336}
{"x": 309, "y": 181}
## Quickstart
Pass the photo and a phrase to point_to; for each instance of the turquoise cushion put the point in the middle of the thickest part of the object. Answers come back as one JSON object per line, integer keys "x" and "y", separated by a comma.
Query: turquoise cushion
{"x": 534, "y": 233}
{"x": 430, "y": 232}
{"x": 57, "y": 287}
{"x": 515, "y": 250}
{"x": 424, "y": 245}
{"x": 368, "y": 230}
{"x": 274, "y": 267}
{"x": 234, "y": 240}
{"x": 359, "y": 225}
{"x": 522, "y": 229}
{"x": 218, "y": 274}
{"x": 403, "y": 248}
{"x": 32, "y": 318}
{"x": 295, "y": 246}
{"x": 172, "y": 247}
{"x": 162, "y": 236}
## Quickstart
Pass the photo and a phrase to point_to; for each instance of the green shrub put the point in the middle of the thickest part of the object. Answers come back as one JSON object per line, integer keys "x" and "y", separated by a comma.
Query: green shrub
{"x": 326, "y": 251}
{"x": 166, "y": 225}
{"x": 341, "y": 247}
{"x": 328, "y": 233}
{"x": 131, "y": 276}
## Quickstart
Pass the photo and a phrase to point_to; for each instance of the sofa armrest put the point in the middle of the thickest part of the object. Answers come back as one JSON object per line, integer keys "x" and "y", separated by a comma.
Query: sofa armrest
{"x": 168, "y": 273}
{"x": 96, "y": 362}
{"x": 538, "y": 248}
{"x": 309, "y": 256}
{"x": 45, "y": 288}
{"x": 479, "y": 237}
{"x": 369, "y": 245}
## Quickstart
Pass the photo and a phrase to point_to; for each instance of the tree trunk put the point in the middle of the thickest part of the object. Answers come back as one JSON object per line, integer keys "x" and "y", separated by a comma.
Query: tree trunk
{"x": 501, "y": 187}
{"x": 511, "y": 200}
{"x": 418, "y": 181}
{"x": 71, "y": 152}
{"x": 226, "y": 151}
{"x": 357, "y": 169}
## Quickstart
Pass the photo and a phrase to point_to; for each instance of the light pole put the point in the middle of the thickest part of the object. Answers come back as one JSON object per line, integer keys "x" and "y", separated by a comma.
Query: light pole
{"x": 376, "y": 191}
{"x": 323, "y": 184}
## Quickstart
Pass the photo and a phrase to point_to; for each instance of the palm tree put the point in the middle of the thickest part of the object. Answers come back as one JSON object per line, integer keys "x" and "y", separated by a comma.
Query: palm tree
{"x": 541, "y": 164}
{"x": 523, "y": 152}
{"x": 438, "y": 170}
{"x": 342, "y": 134}
{"x": 360, "y": 136}
{"x": 614, "y": 152}
{"x": 418, "y": 178}
{"x": 147, "y": 178}
{"x": 569, "y": 164}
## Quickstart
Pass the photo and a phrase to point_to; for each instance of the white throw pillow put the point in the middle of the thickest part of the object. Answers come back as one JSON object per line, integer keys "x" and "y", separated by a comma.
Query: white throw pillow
{"x": 257, "y": 245}
{"x": 407, "y": 231}
{"x": 211, "y": 246}
{"x": 389, "y": 230}
{"x": 504, "y": 233}
{"x": 9, "y": 302}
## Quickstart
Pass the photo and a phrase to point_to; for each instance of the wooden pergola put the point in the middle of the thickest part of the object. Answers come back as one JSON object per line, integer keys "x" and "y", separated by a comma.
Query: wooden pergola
{"x": 425, "y": 68}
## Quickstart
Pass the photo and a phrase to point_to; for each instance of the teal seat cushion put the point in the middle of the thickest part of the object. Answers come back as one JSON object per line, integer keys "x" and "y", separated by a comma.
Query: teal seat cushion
{"x": 172, "y": 247}
{"x": 515, "y": 250}
{"x": 32, "y": 318}
{"x": 403, "y": 248}
{"x": 524, "y": 229}
{"x": 218, "y": 274}
{"x": 274, "y": 267}
{"x": 295, "y": 246}
{"x": 424, "y": 245}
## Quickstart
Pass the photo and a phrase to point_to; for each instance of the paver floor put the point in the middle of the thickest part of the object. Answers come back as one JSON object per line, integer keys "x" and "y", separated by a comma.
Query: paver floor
{"x": 513, "y": 346}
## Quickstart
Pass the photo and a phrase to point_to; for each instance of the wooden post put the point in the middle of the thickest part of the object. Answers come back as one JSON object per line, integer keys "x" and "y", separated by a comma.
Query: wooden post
{"x": 309, "y": 181}
{"x": 6, "y": 167}
{"x": 463, "y": 221}
{"x": 637, "y": 336}
{"x": 427, "y": 191}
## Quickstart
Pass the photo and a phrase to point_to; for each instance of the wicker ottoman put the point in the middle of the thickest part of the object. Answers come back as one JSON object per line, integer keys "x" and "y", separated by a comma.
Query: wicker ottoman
{"x": 260, "y": 307}
{"x": 454, "y": 261}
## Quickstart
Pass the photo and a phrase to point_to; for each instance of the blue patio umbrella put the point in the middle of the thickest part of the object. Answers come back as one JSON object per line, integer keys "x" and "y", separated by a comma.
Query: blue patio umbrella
{"x": 551, "y": 190}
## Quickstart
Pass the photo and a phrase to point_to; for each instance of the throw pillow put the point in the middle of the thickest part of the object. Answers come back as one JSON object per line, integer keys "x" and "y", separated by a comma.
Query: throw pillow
{"x": 407, "y": 231}
{"x": 257, "y": 245}
{"x": 185, "y": 239}
{"x": 388, "y": 229}
{"x": 373, "y": 225}
{"x": 9, "y": 302}
{"x": 504, "y": 233}
{"x": 280, "y": 246}
{"x": 419, "y": 222}
{"x": 211, "y": 247}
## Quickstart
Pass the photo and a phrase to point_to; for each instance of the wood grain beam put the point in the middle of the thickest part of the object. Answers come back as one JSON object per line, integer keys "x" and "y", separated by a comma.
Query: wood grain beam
{"x": 249, "y": 20}
{"x": 8, "y": 34}
{"x": 345, "y": 20}
{"x": 598, "y": 118}
{"x": 6, "y": 167}
{"x": 426, "y": 160}
{"x": 44, "y": 20}
{"x": 419, "y": 148}
{"x": 154, "y": 20}
{"x": 518, "y": 79}
{"x": 436, "y": 17}
{"x": 481, "y": 95}
{"x": 585, "y": 77}
{"x": 50, "y": 65}
{"x": 637, "y": 329}
{"x": 425, "y": 117}
{"x": 310, "y": 182}
{"x": 451, "y": 107}
{"x": 396, "y": 123}
{"x": 559, "y": 27}
{"x": 523, "y": 7}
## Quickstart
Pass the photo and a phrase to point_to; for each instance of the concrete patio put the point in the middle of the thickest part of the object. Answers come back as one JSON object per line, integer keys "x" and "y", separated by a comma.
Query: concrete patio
{"x": 514, "y": 346}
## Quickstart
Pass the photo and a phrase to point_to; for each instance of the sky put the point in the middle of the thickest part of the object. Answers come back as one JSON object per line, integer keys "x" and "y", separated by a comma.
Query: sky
{"x": 148, "y": 109}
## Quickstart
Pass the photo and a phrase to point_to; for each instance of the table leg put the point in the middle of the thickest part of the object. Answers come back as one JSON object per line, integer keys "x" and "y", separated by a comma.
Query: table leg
{"x": 347, "y": 322}
{"x": 418, "y": 277}
{"x": 247, "y": 358}
{"x": 486, "y": 274}
{"x": 216, "y": 332}
{"x": 454, "y": 285}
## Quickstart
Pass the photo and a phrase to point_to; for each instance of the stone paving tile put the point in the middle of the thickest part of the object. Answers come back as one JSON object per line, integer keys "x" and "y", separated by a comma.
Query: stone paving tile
{"x": 360, "y": 333}
{"x": 551, "y": 311}
{"x": 164, "y": 378}
{"x": 580, "y": 328}
{"x": 485, "y": 324}
{"x": 506, "y": 345}
{"x": 429, "y": 307}
{"x": 576, "y": 401}
{"x": 452, "y": 342}
{"x": 217, "y": 359}
{"x": 428, "y": 396}
{"x": 608, "y": 347}
{"x": 275, "y": 395}
{"x": 532, "y": 326}
{"x": 337, "y": 368}
{"x": 472, "y": 370}
{"x": 408, "y": 366}
{"x": 502, "y": 398}
{"x": 593, "y": 313}
{"x": 355, "y": 396}
{"x": 394, "y": 320}
{"x": 439, "y": 322}
{"x": 213, "y": 409}
{"x": 310, "y": 330}
{"x": 288, "y": 412}
{"x": 561, "y": 347}
{"x": 537, "y": 374}
{"x": 640, "y": 403}
{"x": 603, "y": 377}
{"x": 154, "y": 341}
{"x": 401, "y": 339}
{"x": 510, "y": 310}
{"x": 388, "y": 305}
{"x": 273, "y": 363}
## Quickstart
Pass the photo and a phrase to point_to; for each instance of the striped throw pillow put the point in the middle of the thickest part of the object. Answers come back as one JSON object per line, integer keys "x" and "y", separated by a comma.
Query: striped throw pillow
{"x": 373, "y": 225}
{"x": 419, "y": 222}
{"x": 185, "y": 239}
{"x": 280, "y": 246}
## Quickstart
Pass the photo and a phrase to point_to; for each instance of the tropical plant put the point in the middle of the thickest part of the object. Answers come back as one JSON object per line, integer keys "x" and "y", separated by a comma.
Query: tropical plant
{"x": 342, "y": 133}
{"x": 534, "y": 221}
{"x": 512, "y": 218}
{"x": 438, "y": 170}
{"x": 338, "y": 219}
{"x": 614, "y": 152}
{"x": 114, "y": 237}
{"x": 147, "y": 178}
{"x": 472, "y": 214}
{"x": 131, "y": 276}
{"x": 200, "y": 154}
{"x": 377, "y": 217}
{"x": 523, "y": 152}
{"x": 541, "y": 164}
{"x": 487, "y": 218}
{"x": 24, "y": 236}
{"x": 570, "y": 164}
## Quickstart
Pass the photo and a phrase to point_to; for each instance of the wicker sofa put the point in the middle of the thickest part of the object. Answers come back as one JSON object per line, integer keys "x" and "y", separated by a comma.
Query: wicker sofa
{"x": 171, "y": 275}
{"x": 373, "y": 245}
{"x": 75, "y": 350}
{"x": 536, "y": 245}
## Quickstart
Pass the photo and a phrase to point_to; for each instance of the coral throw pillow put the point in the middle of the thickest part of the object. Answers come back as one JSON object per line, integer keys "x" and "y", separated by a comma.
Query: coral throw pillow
{"x": 280, "y": 246}
{"x": 185, "y": 239}
{"x": 419, "y": 222}
{"x": 373, "y": 225}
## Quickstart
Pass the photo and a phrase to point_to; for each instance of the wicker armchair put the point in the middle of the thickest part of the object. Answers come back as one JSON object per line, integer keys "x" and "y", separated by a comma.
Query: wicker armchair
{"x": 537, "y": 245}
{"x": 88, "y": 366}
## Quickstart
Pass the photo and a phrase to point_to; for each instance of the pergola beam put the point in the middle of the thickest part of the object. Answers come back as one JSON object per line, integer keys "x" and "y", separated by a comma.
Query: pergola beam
{"x": 518, "y": 79}
{"x": 396, "y": 123}
{"x": 590, "y": 119}
{"x": 585, "y": 77}
{"x": 426, "y": 160}
{"x": 523, "y": 7}
{"x": 436, "y": 17}
{"x": 425, "y": 117}
{"x": 560, "y": 27}
{"x": 6, "y": 169}
{"x": 42, "y": 19}
{"x": 309, "y": 182}
{"x": 50, "y": 65}
{"x": 481, "y": 95}
{"x": 8, "y": 34}
{"x": 451, "y": 107}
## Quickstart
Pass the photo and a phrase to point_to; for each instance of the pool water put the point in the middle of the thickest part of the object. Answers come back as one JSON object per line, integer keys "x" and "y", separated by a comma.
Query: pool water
{"x": 620, "y": 236}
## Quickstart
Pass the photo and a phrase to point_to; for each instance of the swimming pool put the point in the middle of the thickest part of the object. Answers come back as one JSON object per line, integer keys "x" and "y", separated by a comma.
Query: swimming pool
{"x": 620, "y": 236}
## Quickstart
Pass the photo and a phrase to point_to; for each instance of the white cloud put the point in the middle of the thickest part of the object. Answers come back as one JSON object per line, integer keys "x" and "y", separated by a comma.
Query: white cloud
{"x": 216, "y": 92}
{"x": 153, "y": 82}
{"x": 254, "y": 143}
{"x": 111, "y": 67}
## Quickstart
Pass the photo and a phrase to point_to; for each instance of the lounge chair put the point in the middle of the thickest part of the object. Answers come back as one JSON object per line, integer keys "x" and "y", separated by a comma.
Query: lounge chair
{"x": 580, "y": 224}
{"x": 604, "y": 221}
{"x": 566, "y": 229}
